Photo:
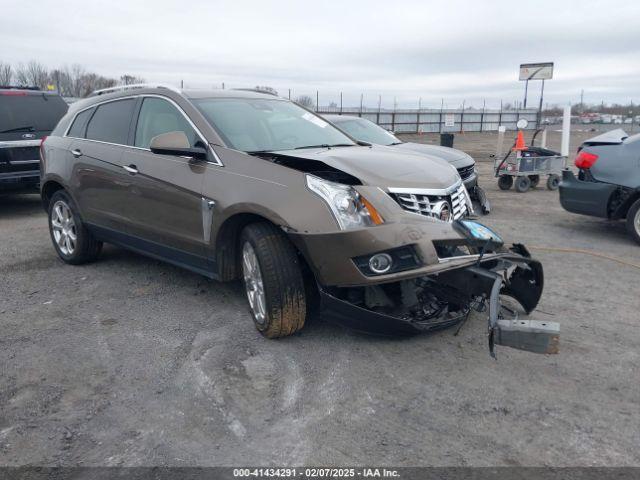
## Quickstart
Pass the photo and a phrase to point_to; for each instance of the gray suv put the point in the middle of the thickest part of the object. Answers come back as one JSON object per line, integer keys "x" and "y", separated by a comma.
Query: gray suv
{"x": 245, "y": 185}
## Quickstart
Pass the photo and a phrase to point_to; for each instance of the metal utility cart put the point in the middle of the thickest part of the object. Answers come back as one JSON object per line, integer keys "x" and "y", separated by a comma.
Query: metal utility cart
{"x": 525, "y": 169}
{"x": 523, "y": 166}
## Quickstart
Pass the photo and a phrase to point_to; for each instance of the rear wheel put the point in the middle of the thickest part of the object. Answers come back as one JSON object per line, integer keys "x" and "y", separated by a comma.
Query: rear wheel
{"x": 505, "y": 182}
{"x": 633, "y": 221}
{"x": 71, "y": 239}
{"x": 273, "y": 280}
{"x": 523, "y": 184}
{"x": 553, "y": 182}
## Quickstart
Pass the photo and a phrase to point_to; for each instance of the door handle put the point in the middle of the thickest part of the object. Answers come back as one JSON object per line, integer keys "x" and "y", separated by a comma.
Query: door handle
{"x": 76, "y": 153}
{"x": 132, "y": 169}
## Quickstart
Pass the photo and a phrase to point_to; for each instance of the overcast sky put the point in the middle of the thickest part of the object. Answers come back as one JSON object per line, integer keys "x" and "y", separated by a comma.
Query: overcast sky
{"x": 456, "y": 50}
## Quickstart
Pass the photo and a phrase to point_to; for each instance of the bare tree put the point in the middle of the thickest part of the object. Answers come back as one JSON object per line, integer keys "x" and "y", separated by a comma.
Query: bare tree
{"x": 21, "y": 75}
{"x": 305, "y": 101}
{"x": 33, "y": 74}
{"x": 92, "y": 81}
{"x": 76, "y": 73}
{"x": 6, "y": 73}
{"x": 267, "y": 89}
{"x": 130, "y": 80}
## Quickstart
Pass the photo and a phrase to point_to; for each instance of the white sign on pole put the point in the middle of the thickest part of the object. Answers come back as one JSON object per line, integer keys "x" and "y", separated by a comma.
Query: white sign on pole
{"x": 449, "y": 120}
{"x": 536, "y": 71}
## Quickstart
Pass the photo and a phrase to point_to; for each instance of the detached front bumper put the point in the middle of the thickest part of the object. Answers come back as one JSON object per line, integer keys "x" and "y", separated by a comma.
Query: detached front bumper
{"x": 440, "y": 301}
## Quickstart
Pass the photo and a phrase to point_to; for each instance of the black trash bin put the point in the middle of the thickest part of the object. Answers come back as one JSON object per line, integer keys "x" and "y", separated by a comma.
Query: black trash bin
{"x": 446, "y": 140}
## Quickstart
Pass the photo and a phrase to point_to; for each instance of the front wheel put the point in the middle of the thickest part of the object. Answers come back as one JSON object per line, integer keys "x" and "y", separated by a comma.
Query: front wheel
{"x": 633, "y": 221}
{"x": 273, "y": 280}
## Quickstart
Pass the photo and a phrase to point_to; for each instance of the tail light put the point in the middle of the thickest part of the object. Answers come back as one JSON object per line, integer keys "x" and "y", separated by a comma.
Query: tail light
{"x": 42, "y": 147}
{"x": 585, "y": 159}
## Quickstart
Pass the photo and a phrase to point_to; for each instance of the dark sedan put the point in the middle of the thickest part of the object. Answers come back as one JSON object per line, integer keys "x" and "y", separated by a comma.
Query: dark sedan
{"x": 608, "y": 182}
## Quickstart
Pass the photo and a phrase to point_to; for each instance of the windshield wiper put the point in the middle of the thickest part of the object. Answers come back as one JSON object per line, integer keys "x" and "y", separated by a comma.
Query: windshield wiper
{"x": 28, "y": 128}
{"x": 326, "y": 145}
{"x": 396, "y": 143}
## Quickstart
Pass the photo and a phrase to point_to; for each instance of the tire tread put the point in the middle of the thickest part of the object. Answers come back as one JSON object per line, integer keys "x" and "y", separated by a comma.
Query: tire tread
{"x": 282, "y": 278}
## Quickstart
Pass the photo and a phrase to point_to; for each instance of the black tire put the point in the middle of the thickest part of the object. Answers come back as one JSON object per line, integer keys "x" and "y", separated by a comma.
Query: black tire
{"x": 522, "y": 184}
{"x": 535, "y": 180}
{"x": 633, "y": 221}
{"x": 553, "y": 182}
{"x": 281, "y": 280}
{"x": 85, "y": 247}
{"x": 505, "y": 182}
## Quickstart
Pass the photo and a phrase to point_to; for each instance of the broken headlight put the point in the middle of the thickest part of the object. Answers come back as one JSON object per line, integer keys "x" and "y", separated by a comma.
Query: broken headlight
{"x": 350, "y": 209}
{"x": 478, "y": 235}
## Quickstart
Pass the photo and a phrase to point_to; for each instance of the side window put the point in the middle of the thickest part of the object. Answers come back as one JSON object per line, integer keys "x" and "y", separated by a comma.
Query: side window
{"x": 79, "y": 124}
{"x": 111, "y": 122}
{"x": 157, "y": 116}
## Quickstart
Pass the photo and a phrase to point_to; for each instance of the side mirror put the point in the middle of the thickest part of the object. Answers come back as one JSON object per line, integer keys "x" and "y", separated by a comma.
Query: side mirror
{"x": 176, "y": 143}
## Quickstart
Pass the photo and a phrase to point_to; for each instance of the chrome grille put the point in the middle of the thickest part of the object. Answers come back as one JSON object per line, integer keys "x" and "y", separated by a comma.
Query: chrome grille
{"x": 432, "y": 202}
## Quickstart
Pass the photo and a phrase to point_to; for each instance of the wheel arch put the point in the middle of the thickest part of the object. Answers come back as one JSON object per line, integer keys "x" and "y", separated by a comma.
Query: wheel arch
{"x": 48, "y": 189}
{"x": 619, "y": 203}
{"x": 227, "y": 239}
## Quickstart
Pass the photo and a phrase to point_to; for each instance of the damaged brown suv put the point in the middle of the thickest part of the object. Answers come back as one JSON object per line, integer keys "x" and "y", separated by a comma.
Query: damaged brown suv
{"x": 246, "y": 185}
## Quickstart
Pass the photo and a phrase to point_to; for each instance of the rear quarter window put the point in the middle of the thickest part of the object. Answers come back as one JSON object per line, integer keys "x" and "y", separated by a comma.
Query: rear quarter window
{"x": 78, "y": 127}
{"x": 111, "y": 122}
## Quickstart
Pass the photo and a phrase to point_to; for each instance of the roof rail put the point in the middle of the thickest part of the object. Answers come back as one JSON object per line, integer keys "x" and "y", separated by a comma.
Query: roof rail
{"x": 256, "y": 90}
{"x": 121, "y": 88}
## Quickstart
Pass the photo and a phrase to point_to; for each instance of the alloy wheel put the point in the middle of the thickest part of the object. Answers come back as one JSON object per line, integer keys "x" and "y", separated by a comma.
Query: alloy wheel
{"x": 64, "y": 227}
{"x": 253, "y": 283}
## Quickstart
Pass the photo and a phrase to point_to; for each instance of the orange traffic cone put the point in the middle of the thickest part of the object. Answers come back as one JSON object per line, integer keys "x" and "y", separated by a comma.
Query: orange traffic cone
{"x": 520, "y": 145}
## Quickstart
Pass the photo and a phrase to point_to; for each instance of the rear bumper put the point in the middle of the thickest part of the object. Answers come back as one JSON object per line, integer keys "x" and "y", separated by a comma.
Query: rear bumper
{"x": 585, "y": 198}
{"x": 14, "y": 180}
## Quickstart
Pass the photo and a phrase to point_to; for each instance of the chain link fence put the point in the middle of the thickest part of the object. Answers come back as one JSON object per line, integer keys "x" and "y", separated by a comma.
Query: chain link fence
{"x": 440, "y": 120}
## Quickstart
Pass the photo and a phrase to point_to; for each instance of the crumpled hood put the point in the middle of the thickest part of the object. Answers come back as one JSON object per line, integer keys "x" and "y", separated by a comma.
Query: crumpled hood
{"x": 455, "y": 157}
{"x": 383, "y": 166}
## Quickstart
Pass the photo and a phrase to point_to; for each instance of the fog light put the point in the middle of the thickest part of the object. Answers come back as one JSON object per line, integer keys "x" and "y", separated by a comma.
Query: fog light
{"x": 380, "y": 263}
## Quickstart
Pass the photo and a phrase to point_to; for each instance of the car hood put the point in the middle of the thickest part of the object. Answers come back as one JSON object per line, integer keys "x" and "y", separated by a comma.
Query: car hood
{"x": 383, "y": 166}
{"x": 455, "y": 157}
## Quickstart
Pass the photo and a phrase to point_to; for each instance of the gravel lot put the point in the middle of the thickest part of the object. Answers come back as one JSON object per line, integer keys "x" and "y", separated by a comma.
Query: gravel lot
{"x": 130, "y": 361}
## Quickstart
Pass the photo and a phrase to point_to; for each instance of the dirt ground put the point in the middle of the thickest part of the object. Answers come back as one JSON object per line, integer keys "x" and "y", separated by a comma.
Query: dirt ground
{"x": 129, "y": 361}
